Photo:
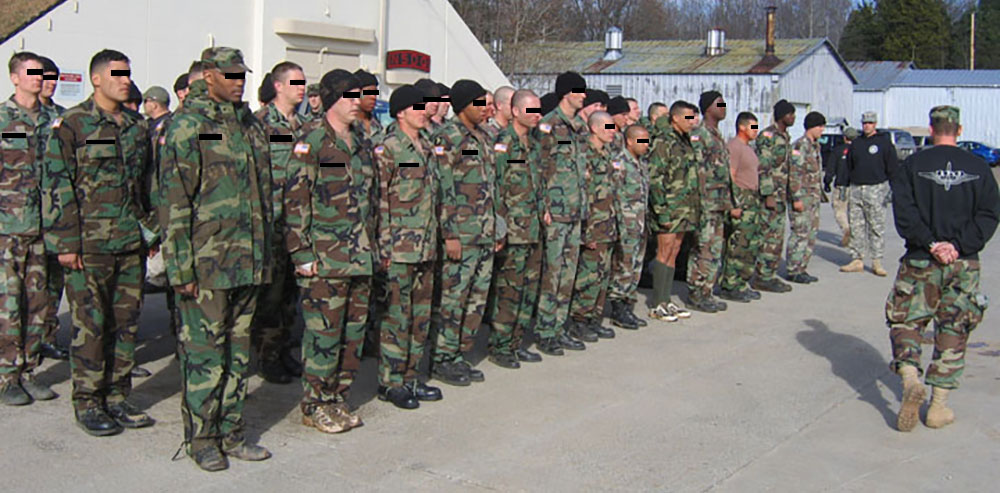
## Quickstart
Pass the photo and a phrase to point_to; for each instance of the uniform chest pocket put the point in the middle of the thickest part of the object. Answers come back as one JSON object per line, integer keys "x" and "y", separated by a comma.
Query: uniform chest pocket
{"x": 15, "y": 152}
{"x": 98, "y": 163}
{"x": 333, "y": 185}
{"x": 517, "y": 179}
{"x": 412, "y": 180}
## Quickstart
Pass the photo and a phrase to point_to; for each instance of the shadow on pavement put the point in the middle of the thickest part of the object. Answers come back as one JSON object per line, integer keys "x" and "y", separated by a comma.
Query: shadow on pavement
{"x": 856, "y": 362}
{"x": 837, "y": 256}
{"x": 829, "y": 237}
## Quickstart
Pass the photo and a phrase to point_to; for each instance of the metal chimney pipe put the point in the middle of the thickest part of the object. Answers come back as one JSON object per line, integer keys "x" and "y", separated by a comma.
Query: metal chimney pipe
{"x": 769, "y": 45}
{"x": 613, "y": 44}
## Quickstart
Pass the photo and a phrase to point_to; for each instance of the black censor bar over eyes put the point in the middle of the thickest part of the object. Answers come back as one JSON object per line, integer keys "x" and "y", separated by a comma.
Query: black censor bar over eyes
{"x": 370, "y": 92}
{"x": 609, "y": 126}
{"x": 753, "y": 127}
{"x": 419, "y": 106}
{"x": 409, "y": 165}
{"x": 236, "y": 75}
{"x": 479, "y": 102}
{"x": 332, "y": 165}
{"x": 50, "y": 76}
{"x": 432, "y": 99}
{"x": 297, "y": 82}
{"x": 100, "y": 141}
{"x": 642, "y": 141}
{"x": 533, "y": 110}
{"x": 121, "y": 73}
{"x": 515, "y": 161}
{"x": 721, "y": 105}
{"x": 34, "y": 71}
{"x": 689, "y": 117}
{"x": 579, "y": 90}
{"x": 565, "y": 142}
{"x": 209, "y": 136}
{"x": 15, "y": 135}
{"x": 470, "y": 152}
{"x": 282, "y": 138}
{"x": 352, "y": 94}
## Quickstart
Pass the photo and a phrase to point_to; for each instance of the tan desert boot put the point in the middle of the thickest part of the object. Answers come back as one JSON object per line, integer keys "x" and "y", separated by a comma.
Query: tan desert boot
{"x": 856, "y": 265}
{"x": 846, "y": 239}
{"x": 877, "y": 268}
{"x": 913, "y": 397}
{"x": 938, "y": 414}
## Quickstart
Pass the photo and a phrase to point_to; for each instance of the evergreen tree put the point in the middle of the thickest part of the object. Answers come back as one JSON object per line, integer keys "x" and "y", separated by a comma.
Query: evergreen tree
{"x": 917, "y": 30}
{"x": 862, "y": 35}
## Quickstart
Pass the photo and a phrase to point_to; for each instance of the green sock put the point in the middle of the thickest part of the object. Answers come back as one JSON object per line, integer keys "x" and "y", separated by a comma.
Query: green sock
{"x": 668, "y": 287}
{"x": 663, "y": 277}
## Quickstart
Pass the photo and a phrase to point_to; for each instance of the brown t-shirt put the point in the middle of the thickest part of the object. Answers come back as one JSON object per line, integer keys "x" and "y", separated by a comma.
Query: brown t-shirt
{"x": 743, "y": 164}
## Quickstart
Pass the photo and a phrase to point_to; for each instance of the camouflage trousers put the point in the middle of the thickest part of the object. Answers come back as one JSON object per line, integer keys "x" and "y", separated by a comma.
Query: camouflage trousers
{"x": 23, "y": 300}
{"x": 335, "y": 313}
{"x": 215, "y": 361}
{"x": 947, "y": 294}
{"x": 804, "y": 226}
{"x": 466, "y": 284}
{"x": 105, "y": 298}
{"x": 406, "y": 322}
{"x": 744, "y": 242}
{"x": 626, "y": 264}
{"x": 55, "y": 281}
{"x": 591, "y": 286}
{"x": 840, "y": 211}
{"x": 772, "y": 239}
{"x": 706, "y": 254}
{"x": 561, "y": 254}
{"x": 518, "y": 273}
{"x": 866, "y": 212}
{"x": 277, "y": 306}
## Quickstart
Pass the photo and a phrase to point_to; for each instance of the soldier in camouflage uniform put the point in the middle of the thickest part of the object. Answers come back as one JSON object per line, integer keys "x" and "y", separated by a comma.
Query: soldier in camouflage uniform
{"x": 744, "y": 240}
{"x": 805, "y": 185}
{"x": 502, "y": 112}
{"x": 630, "y": 250}
{"x": 519, "y": 203}
{"x": 95, "y": 223}
{"x": 278, "y": 301}
{"x": 24, "y": 298}
{"x": 946, "y": 207}
{"x": 600, "y": 231}
{"x": 716, "y": 202}
{"x": 331, "y": 232}
{"x": 315, "y": 103}
{"x": 464, "y": 162}
{"x": 565, "y": 206}
{"x": 673, "y": 201}
{"x": 367, "y": 122}
{"x": 217, "y": 248}
{"x": 773, "y": 149}
{"x": 407, "y": 248}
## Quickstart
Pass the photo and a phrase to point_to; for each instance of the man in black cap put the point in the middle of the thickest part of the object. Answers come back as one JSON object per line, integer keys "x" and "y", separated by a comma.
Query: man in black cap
{"x": 773, "y": 148}
{"x": 367, "y": 121}
{"x": 432, "y": 99}
{"x": 620, "y": 112}
{"x": 596, "y": 100}
{"x": 469, "y": 230}
{"x": 181, "y": 89}
{"x": 565, "y": 201}
{"x": 805, "y": 184}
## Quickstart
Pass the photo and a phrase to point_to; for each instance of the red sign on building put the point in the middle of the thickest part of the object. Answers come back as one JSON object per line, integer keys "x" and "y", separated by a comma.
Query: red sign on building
{"x": 408, "y": 59}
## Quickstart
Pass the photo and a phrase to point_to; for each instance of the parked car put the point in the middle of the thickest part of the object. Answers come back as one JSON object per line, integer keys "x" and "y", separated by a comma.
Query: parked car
{"x": 922, "y": 141}
{"x": 905, "y": 146}
{"x": 989, "y": 154}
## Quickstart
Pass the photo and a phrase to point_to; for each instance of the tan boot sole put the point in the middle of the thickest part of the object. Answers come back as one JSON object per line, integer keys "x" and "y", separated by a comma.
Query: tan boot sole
{"x": 909, "y": 412}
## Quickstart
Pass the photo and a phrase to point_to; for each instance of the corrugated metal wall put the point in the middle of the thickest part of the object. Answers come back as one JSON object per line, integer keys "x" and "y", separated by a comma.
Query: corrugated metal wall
{"x": 820, "y": 84}
{"x": 867, "y": 101}
{"x": 980, "y": 106}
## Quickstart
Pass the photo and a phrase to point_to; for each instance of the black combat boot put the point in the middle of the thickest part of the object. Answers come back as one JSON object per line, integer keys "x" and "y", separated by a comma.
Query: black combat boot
{"x": 475, "y": 374}
{"x": 635, "y": 318}
{"x": 595, "y": 327}
{"x": 526, "y": 356}
{"x": 451, "y": 373}
{"x": 97, "y": 423}
{"x": 402, "y": 397}
{"x": 581, "y": 331}
{"x": 550, "y": 346}
{"x": 620, "y": 316}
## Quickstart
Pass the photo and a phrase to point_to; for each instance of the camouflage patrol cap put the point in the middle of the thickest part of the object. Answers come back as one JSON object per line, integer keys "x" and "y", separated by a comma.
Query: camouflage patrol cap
{"x": 312, "y": 90}
{"x": 851, "y": 133}
{"x": 224, "y": 58}
{"x": 945, "y": 113}
{"x": 869, "y": 117}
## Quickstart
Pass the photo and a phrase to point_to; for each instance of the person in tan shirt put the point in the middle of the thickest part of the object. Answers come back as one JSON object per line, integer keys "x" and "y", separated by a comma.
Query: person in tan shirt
{"x": 744, "y": 242}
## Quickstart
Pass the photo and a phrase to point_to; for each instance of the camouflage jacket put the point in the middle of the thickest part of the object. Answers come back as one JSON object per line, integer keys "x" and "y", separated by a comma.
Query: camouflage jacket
{"x": 715, "y": 184}
{"x": 673, "y": 169}
{"x": 563, "y": 167}
{"x": 492, "y": 129}
{"x": 408, "y": 200}
{"x": 464, "y": 162}
{"x": 93, "y": 172}
{"x": 282, "y": 134}
{"x": 22, "y": 150}
{"x": 216, "y": 187}
{"x": 805, "y": 171}
{"x": 58, "y": 108}
{"x": 773, "y": 148}
{"x": 371, "y": 134}
{"x": 330, "y": 203}
{"x": 603, "y": 169}
{"x": 519, "y": 187}
{"x": 632, "y": 193}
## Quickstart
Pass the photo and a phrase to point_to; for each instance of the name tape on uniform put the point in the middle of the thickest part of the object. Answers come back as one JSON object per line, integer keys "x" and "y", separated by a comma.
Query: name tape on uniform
{"x": 466, "y": 152}
{"x": 281, "y": 138}
{"x": 332, "y": 165}
{"x": 209, "y": 136}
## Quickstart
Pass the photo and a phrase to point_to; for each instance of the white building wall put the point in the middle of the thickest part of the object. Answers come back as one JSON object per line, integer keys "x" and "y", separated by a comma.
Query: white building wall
{"x": 818, "y": 83}
{"x": 867, "y": 101}
{"x": 162, "y": 37}
{"x": 909, "y": 106}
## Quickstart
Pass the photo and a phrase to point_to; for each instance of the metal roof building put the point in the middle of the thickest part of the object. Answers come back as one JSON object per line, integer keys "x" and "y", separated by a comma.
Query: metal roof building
{"x": 752, "y": 74}
{"x": 902, "y": 95}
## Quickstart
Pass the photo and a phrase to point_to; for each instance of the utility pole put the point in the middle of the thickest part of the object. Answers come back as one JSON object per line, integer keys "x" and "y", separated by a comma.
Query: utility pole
{"x": 972, "y": 42}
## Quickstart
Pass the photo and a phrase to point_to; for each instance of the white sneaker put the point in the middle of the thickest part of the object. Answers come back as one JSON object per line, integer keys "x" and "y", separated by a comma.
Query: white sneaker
{"x": 678, "y": 311}
{"x": 662, "y": 313}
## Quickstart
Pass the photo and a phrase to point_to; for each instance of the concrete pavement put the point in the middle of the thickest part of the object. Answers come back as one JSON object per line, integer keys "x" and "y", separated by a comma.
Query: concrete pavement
{"x": 791, "y": 393}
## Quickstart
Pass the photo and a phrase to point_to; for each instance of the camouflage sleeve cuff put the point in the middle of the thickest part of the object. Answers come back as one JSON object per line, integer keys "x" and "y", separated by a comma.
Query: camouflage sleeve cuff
{"x": 766, "y": 187}
{"x": 180, "y": 278}
{"x": 303, "y": 256}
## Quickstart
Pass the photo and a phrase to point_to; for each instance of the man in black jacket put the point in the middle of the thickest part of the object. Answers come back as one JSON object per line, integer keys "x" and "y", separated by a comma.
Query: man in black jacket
{"x": 871, "y": 162}
{"x": 946, "y": 207}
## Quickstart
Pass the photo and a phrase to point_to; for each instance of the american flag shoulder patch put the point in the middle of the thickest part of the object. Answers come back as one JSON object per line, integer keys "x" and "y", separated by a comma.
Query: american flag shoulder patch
{"x": 57, "y": 123}
{"x": 695, "y": 138}
{"x": 379, "y": 150}
{"x": 301, "y": 148}
{"x": 439, "y": 150}
{"x": 498, "y": 147}
{"x": 545, "y": 128}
